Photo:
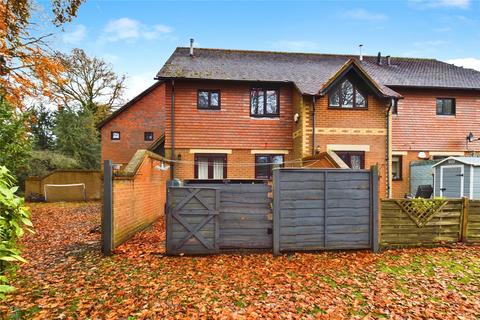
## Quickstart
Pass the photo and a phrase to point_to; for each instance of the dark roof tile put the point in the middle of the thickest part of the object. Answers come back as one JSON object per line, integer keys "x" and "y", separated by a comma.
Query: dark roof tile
{"x": 309, "y": 72}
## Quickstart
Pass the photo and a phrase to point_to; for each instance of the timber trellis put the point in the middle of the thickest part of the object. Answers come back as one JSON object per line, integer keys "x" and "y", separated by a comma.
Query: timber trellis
{"x": 313, "y": 209}
{"x": 415, "y": 222}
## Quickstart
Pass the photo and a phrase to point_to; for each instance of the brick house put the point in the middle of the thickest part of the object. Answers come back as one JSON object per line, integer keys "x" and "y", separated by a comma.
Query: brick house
{"x": 233, "y": 114}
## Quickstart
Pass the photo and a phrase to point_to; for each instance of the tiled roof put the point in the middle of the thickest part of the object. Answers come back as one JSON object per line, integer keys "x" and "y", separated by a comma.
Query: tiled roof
{"x": 309, "y": 72}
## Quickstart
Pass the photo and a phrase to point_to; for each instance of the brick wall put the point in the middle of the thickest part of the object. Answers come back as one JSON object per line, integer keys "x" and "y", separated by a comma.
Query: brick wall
{"x": 240, "y": 164}
{"x": 138, "y": 199}
{"x": 355, "y": 127}
{"x": 417, "y": 127}
{"x": 231, "y": 127}
{"x": 146, "y": 114}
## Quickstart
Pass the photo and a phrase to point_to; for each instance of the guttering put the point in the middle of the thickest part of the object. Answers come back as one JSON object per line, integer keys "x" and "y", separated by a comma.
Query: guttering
{"x": 389, "y": 151}
{"x": 172, "y": 131}
{"x": 431, "y": 87}
{"x": 314, "y": 101}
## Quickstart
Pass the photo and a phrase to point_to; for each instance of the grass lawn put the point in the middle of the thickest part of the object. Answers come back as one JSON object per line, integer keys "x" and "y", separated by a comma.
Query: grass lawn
{"x": 67, "y": 277}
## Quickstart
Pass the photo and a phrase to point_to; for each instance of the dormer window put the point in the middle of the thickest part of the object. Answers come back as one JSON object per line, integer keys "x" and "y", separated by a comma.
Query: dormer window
{"x": 347, "y": 95}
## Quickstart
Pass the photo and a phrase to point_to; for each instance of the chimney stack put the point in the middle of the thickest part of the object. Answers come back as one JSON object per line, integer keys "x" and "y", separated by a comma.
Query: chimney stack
{"x": 379, "y": 58}
{"x": 191, "y": 47}
{"x": 389, "y": 61}
{"x": 360, "y": 48}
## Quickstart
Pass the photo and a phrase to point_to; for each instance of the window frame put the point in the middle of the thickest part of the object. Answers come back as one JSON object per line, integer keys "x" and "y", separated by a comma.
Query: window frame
{"x": 115, "y": 139}
{"x": 270, "y": 156}
{"x": 400, "y": 167}
{"x": 265, "y": 89}
{"x": 210, "y": 157}
{"x": 454, "y": 107}
{"x": 209, "y": 107}
{"x": 350, "y": 153}
{"x": 145, "y": 136}
{"x": 338, "y": 86}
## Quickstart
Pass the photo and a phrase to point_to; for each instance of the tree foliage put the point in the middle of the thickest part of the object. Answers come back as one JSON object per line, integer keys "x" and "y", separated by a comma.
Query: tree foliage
{"x": 41, "y": 127}
{"x": 88, "y": 83}
{"x": 15, "y": 143}
{"x": 14, "y": 220}
{"x": 43, "y": 162}
{"x": 26, "y": 63}
{"x": 77, "y": 137}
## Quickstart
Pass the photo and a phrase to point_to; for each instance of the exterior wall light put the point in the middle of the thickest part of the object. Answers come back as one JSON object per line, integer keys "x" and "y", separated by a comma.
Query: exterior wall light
{"x": 162, "y": 167}
{"x": 422, "y": 155}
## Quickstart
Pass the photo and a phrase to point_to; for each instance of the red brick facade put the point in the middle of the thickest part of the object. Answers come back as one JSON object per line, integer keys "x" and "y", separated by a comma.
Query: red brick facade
{"x": 337, "y": 129}
{"x": 417, "y": 128}
{"x": 231, "y": 126}
{"x": 146, "y": 114}
{"x": 138, "y": 200}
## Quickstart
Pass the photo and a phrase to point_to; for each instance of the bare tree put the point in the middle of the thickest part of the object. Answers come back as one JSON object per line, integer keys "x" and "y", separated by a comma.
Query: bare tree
{"x": 88, "y": 83}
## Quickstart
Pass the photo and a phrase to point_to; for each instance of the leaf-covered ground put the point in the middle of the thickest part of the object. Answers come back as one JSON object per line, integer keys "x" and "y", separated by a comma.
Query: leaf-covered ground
{"x": 68, "y": 278}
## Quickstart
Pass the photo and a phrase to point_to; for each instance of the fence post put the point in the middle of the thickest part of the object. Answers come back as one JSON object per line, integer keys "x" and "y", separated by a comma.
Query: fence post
{"x": 276, "y": 212}
{"x": 374, "y": 204}
{"x": 107, "y": 216}
{"x": 464, "y": 230}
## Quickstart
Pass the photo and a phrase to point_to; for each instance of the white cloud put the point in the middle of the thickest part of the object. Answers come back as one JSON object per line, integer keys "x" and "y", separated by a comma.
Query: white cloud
{"x": 462, "y": 4}
{"x": 471, "y": 63}
{"x": 430, "y": 43}
{"x": 76, "y": 36}
{"x": 294, "y": 45}
{"x": 122, "y": 29}
{"x": 137, "y": 83}
{"x": 362, "y": 14}
{"x": 130, "y": 29}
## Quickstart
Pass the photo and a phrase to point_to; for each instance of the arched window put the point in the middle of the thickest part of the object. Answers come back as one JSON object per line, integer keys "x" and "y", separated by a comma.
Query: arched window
{"x": 347, "y": 95}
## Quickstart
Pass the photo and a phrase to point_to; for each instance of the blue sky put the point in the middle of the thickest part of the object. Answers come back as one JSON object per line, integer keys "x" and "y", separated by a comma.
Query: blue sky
{"x": 137, "y": 37}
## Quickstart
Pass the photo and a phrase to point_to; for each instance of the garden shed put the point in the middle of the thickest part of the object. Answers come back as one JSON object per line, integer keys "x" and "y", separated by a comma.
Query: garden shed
{"x": 457, "y": 177}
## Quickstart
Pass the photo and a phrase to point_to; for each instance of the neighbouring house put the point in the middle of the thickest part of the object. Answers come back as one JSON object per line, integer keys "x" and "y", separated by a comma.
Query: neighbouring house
{"x": 235, "y": 114}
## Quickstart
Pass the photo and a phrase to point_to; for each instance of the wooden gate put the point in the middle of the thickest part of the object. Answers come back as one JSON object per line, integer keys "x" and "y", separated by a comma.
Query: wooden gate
{"x": 193, "y": 220}
{"x": 206, "y": 218}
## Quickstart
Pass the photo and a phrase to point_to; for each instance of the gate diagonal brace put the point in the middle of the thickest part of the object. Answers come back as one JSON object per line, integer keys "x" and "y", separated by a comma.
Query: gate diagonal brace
{"x": 194, "y": 232}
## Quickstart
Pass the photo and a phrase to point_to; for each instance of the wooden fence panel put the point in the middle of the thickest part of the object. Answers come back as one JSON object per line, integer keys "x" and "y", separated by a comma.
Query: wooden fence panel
{"x": 316, "y": 209}
{"x": 473, "y": 222}
{"x": 398, "y": 228}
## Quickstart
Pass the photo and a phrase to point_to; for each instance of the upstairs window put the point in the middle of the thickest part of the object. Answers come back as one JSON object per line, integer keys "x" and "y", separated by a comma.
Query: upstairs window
{"x": 445, "y": 106}
{"x": 264, "y": 102}
{"x": 347, "y": 95}
{"x": 208, "y": 99}
{"x": 148, "y": 136}
{"x": 265, "y": 163}
{"x": 115, "y": 135}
